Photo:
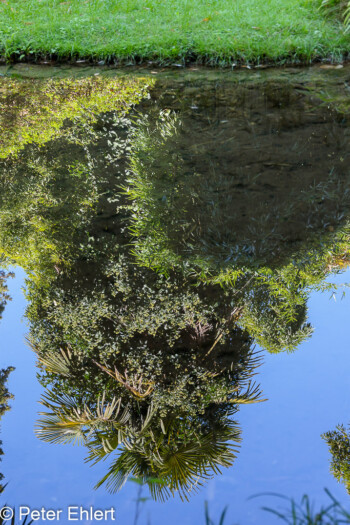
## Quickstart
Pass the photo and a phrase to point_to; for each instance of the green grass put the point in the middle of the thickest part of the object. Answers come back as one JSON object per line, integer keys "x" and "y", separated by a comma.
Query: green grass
{"x": 304, "y": 513}
{"x": 216, "y": 32}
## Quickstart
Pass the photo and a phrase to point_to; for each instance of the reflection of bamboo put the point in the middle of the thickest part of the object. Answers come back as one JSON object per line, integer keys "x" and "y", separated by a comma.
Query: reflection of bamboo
{"x": 215, "y": 343}
{"x": 136, "y": 386}
{"x": 234, "y": 314}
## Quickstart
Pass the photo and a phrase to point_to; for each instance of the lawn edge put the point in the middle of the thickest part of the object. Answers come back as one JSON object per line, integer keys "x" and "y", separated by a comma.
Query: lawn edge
{"x": 188, "y": 59}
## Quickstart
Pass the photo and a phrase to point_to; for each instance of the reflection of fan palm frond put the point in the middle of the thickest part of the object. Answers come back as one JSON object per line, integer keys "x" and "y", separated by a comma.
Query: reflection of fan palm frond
{"x": 180, "y": 466}
{"x": 69, "y": 422}
{"x": 55, "y": 362}
{"x": 252, "y": 361}
{"x": 104, "y": 441}
{"x": 135, "y": 384}
{"x": 250, "y": 395}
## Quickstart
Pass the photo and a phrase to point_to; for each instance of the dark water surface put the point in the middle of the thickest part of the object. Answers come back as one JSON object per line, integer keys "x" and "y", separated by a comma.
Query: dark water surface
{"x": 178, "y": 236}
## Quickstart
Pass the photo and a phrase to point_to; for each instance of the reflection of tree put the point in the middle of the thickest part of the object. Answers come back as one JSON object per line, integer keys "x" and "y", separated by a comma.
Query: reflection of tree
{"x": 180, "y": 449}
{"x": 52, "y": 210}
{"x": 37, "y": 226}
{"x": 5, "y": 396}
{"x": 106, "y": 329}
{"x": 189, "y": 212}
{"x": 181, "y": 464}
{"x": 338, "y": 442}
{"x": 146, "y": 359}
{"x": 209, "y": 225}
{"x": 129, "y": 328}
{"x": 147, "y": 367}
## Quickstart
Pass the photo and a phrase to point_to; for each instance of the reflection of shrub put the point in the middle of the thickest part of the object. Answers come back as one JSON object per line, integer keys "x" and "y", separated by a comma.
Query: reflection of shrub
{"x": 338, "y": 442}
{"x": 274, "y": 326}
{"x": 339, "y": 7}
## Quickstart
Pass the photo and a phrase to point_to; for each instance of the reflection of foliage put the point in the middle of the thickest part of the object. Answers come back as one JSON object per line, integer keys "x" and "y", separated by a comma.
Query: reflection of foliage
{"x": 37, "y": 225}
{"x": 70, "y": 421}
{"x": 49, "y": 190}
{"x": 36, "y": 113}
{"x": 180, "y": 451}
{"x": 275, "y": 313}
{"x": 117, "y": 328}
{"x": 4, "y": 295}
{"x": 338, "y": 442}
{"x": 5, "y": 396}
{"x": 149, "y": 367}
{"x": 183, "y": 221}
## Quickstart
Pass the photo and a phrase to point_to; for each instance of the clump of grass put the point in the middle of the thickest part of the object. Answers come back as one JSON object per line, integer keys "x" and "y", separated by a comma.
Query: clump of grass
{"x": 208, "y": 520}
{"x": 340, "y": 8}
{"x": 304, "y": 513}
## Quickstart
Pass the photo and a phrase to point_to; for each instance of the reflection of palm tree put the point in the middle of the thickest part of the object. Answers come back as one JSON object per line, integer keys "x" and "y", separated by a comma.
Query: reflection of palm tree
{"x": 180, "y": 449}
{"x": 176, "y": 451}
{"x": 180, "y": 463}
{"x": 182, "y": 453}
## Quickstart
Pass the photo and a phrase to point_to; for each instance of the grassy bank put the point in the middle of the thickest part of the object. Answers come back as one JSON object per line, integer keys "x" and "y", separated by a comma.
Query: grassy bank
{"x": 211, "y": 31}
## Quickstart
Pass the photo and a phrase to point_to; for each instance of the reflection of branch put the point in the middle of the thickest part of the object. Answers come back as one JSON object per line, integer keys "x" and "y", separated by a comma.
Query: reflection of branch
{"x": 134, "y": 385}
{"x": 244, "y": 286}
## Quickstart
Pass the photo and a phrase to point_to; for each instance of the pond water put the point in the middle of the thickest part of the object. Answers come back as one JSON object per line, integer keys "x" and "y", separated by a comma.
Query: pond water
{"x": 180, "y": 244}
